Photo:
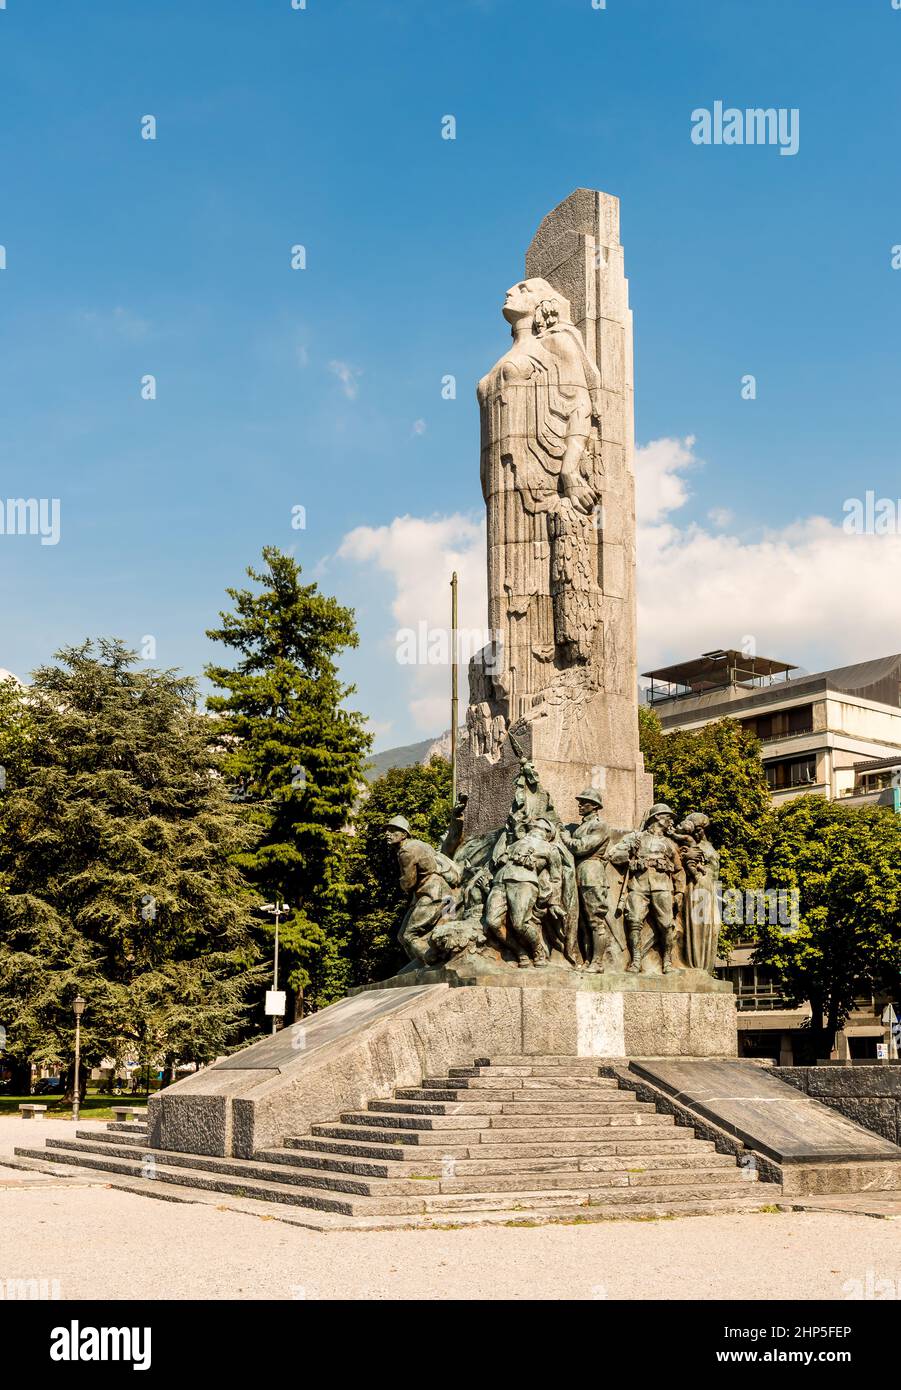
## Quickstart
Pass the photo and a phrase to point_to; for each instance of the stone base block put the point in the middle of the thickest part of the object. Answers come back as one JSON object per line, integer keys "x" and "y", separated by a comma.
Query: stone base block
{"x": 628, "y": 1023}
{"x": 843, "y": 1179}
{"x": 364, "y": 1047}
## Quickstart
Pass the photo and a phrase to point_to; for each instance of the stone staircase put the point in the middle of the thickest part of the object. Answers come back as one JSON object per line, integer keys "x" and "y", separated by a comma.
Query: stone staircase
{"x": 513, "y": 1136}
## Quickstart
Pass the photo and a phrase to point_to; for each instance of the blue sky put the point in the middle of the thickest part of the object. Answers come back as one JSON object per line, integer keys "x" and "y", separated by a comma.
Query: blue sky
{"x": 321, "y": 388}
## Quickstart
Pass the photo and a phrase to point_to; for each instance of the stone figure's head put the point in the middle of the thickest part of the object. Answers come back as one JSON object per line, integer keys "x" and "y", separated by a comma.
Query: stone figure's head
{"x": 589, "y": 801}
{"x": 397, "y": 829}
{"x": 660, "y": 817}
{"x": 538, "y": 302}
{"x": 544, "y": 828}
{"x": 695, "y": 824}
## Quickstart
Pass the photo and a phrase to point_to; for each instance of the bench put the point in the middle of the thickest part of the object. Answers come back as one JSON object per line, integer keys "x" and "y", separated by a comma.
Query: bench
{"x": 31, "y": 1112}
{"x": 122, "y": 1114}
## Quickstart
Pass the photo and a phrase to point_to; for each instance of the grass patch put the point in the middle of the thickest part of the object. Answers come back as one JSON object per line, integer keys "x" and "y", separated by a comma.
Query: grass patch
{"x": 93, "y": 1107}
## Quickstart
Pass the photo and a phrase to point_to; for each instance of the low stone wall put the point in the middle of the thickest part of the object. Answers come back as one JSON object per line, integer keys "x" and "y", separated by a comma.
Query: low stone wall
{"x": 868, "y": 1095}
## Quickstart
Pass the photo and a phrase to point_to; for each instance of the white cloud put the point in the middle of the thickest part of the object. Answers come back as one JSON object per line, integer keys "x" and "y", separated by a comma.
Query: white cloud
{"x": 348, "y": 377}
{"x": 663, "y": 489}
{"x": 420, "y": 554}
{"x": 419, "y": 426}
{"x": 805, "y": 592}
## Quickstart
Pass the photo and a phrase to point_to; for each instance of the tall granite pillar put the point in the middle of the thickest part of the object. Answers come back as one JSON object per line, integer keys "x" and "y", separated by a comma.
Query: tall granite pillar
{"x": 557, "y": 476}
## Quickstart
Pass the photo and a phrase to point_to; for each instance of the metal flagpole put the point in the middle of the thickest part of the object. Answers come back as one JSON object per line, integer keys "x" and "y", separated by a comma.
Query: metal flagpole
{"x": 454, "y": 700}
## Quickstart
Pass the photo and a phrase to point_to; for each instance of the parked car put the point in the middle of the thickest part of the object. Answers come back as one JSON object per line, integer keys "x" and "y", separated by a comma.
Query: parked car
{"x": 47, "y": 1086}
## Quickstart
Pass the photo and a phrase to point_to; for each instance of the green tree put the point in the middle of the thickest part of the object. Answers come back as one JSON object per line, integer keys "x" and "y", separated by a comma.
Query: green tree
{"x": 15, "y": 737}
{"x": 717, "y": 770}
{"x": 845, "y": 863}
{"x": 117, "y": 861}
{"x": 377, "y": 905}
{"x": 295, "y": 756}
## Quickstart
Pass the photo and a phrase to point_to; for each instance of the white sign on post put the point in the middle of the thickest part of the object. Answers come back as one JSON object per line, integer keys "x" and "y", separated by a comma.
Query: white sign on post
{"x": 275, "y": 1002}
{"x": 882, "y": 1052}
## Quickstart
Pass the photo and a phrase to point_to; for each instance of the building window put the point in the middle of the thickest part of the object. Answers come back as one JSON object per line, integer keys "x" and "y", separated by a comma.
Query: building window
{"x": 791, "y": 772}
{"x": 755, "y": 987}
{"x": 782, "y": 723}
{"x": 876, "y": 781}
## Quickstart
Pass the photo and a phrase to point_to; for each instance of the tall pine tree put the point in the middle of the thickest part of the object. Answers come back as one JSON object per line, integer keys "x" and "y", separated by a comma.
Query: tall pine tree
{"x": 116, "y": 859}
{"x": 295, "y": 757}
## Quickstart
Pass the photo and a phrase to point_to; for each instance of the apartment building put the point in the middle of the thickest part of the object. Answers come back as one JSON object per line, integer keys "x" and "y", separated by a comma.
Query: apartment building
{"x": 836, "y": 733}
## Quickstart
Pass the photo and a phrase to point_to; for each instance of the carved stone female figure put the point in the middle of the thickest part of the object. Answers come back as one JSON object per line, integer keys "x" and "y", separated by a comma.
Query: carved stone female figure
{"x": 540, "y": 471}
{"x": 701, "y": 911}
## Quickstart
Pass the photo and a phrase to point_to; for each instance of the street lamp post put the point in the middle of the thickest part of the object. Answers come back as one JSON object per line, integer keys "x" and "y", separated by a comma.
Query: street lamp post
{"x": 276, "y": 909}
{"x": 76, "y": 1095}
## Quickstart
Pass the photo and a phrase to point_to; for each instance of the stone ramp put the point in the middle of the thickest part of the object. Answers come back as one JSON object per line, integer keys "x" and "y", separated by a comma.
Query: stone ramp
{"x": 526, "y": 1140}
{"x": 279, "y": 1051}
{"x": 814, "y": 1148}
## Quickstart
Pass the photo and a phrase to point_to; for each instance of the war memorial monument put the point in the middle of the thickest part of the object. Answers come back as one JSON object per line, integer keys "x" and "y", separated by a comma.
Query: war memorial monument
{"x": 558, "y": 1043}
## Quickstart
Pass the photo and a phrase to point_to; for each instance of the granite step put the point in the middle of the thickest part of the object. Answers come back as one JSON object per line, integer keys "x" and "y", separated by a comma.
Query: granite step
{"x": 550, "y": 1103}
{"x": 571, "y": 1120}
{"x": 528, "y": 1086}
{"x": 448, "y": 1165}
{"x": 253, "y": 1169}
{"x": 540, "y": 1059}
{"x": 613, "y": 1134}
{"x": 122, "y": 1137}
{"x": 485, "y": 1109}
{"x": 403, "y": 1151}
{"x": 665, "y": 1194}
{"x": 464, "y": 1196}
{"x": 374, "y": 1180}
{"x": 591, "y": 1178}
{"x": 235, "y": 1186}
{"x": 371, "y": 1119}
{"x": 603, "y": 1101}
{"x": 645, "y": 1151}
{"x": 478, "y": 1109}
{"x": 587, "y": 1073}
{"x": 486, "y": 1082}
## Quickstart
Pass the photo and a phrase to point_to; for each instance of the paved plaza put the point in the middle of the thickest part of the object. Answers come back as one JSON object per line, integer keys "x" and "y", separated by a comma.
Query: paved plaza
{"x": 99, "y": 1242}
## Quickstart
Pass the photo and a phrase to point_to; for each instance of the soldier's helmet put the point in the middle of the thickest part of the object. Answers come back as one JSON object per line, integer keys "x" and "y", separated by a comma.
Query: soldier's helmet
{"x": 592, "y": 795}
{"x": 398, "y": 823}
{"x": 661, "y": 809}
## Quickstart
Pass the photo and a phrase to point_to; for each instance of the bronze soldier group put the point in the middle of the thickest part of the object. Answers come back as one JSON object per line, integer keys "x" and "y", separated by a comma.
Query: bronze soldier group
{"x": 539, "y": 887}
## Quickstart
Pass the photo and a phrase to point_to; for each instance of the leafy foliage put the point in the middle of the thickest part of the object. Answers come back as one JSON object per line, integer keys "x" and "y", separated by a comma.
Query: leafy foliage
{"x": 295, "y": 757}
{"x": 717, "y": 770}
{"x": 845, "y": 862}
{"x": 117, "y": 861}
